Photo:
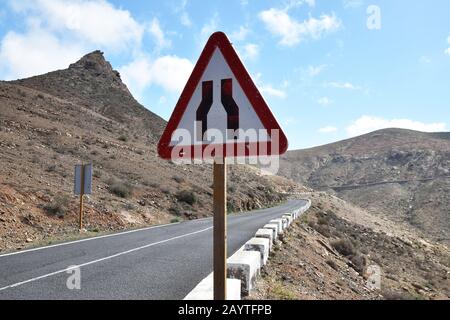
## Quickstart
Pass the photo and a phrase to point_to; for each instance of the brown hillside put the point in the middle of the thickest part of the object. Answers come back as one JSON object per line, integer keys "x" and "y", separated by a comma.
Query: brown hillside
{"x": 51, "y": 122}
{"x": 402, "y": 174}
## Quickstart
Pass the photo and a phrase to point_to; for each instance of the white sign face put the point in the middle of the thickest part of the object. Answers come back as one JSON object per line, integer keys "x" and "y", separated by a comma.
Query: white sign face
{"x": 216, "y": 73}
{"x": 220, "y": 112}
{"x": 87, "y": 183}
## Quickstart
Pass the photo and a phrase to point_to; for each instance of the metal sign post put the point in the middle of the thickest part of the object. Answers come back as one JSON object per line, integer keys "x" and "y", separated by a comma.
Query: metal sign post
{"x": 220, "y": 229}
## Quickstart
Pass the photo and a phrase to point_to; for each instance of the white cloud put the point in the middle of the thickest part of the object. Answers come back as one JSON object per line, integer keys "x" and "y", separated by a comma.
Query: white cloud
{"x": 209, "y": 28}
{"x": 342, "y": 85}
{"x": 296, "y": 3}
{"x": 316, "y": 70}
{"x": 58, "y": 32}
{"x": 157, "y": 33}
{"x": 367, "y": 124}
{"x": 251, "y": 51}
{"x": 97, "y": 22}
{"x": 169, "y": 72}
{"x": 271, "y": 91}
{"x": 447, "y": 51}
{"x": 185, "y": 19}
{"x": 328, "y": 129}
{"x": 324, "y": 101}
{"x": 352, "y": 3}
{"x": 291, "y": 32}
{"x": 35, "y": 52}
{"x": 240, "y": 35}
{"x": 268, "y": 88}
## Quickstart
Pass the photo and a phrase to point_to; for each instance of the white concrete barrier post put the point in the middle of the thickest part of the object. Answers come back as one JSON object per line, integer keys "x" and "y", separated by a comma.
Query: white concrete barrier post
{"x": 265, "y": 233}
{"x": 274, "y": 228}
{"x": 204, "y": 290}
{"x": 289, "y": 217}
{"x": 261, "y": 245}
{"x": 279, "y": 223}
{"x": 245, "y": 266}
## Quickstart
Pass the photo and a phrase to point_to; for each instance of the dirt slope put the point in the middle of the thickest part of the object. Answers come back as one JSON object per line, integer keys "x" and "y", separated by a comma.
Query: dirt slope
{"x": 400, "y": 174}
{"x": 331, "y": 252}
{"x": 51, "y": 122}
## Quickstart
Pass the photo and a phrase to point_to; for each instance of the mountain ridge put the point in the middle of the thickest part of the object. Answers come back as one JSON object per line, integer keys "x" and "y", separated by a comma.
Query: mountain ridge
{"x": 402, "y": 174}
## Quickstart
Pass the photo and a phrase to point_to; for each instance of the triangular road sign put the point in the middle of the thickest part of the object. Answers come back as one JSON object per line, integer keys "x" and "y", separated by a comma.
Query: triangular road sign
{"x": 220, "y": 111}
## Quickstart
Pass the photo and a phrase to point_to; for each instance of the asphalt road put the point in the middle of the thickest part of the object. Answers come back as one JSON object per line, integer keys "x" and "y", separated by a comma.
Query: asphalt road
{"x": 162, "y": 262}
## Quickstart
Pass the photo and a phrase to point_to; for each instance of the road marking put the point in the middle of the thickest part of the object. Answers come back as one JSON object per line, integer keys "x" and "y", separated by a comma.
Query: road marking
{"x": 87, "y": 239}
{"x": 102, "y": 259}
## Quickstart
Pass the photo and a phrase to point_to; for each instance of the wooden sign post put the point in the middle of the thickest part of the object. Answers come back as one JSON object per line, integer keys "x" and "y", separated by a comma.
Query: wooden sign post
{"x": 220, "y": 229}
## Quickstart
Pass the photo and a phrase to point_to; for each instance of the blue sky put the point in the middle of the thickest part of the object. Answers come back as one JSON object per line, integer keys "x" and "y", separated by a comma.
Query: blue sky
{"x": 329, "y": 70}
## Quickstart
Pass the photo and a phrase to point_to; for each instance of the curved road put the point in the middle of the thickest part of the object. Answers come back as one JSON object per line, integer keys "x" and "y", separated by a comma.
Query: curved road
{"x": 161, "y": 262}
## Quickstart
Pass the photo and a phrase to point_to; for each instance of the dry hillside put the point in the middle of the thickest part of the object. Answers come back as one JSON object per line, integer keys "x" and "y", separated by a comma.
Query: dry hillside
{"x": 51, "y": 122}
{"x": 400, "y": 174}
{"x": 330, "y": 252}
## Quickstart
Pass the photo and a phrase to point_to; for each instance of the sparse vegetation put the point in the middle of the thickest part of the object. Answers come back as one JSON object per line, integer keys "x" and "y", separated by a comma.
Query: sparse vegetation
{"x": 175, "y": 210}
{"x": 187, "y": 196}
{"x": 344, "y": 247}
{"x": 281, "y": 292}
{"x": 178, "y": 179}
{"x": 97, "y": 173}
{"x": 120, "y": 188}
{"x": 35, "y": 159}
{"x": 58, "y": 206}
{"x": 165, "y": 190}
{"x": 332, "y": 264}
{"x": 51, "y": 168}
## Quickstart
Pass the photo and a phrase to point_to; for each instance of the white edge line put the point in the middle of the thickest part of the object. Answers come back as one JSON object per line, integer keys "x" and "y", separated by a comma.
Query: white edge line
{"x": 87, "y": 239}
{"x": 102, "y": 259}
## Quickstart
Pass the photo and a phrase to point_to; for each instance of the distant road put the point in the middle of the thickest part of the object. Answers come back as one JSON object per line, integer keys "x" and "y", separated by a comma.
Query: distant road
{"x": 162, "y": 262}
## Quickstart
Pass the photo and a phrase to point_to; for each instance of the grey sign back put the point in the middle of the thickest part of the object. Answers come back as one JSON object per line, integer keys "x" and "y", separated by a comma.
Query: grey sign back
{"x": 87, "y": 183}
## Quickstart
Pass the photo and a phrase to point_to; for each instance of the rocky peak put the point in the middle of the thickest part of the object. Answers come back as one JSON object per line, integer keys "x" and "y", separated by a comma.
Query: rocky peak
{"x": 96, "y": 63}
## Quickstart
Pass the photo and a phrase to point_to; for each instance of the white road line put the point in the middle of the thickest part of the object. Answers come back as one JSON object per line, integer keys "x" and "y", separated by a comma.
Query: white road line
{"x": 103, "y": 259}
{"x": 87, "y": 239}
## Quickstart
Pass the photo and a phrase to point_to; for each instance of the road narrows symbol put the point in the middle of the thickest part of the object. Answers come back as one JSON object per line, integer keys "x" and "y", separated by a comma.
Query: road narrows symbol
{"x": 230, "y": 106}
{"x": 228, "y": 103}
{"x": 204, "y": 107}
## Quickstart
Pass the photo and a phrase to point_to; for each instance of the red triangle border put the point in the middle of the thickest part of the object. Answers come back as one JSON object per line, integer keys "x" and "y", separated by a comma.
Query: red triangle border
{"x": 220, "y": 40}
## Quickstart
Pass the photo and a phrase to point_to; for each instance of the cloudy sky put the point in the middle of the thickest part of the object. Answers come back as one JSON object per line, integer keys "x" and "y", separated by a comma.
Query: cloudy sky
{"x": 328, "y": 69}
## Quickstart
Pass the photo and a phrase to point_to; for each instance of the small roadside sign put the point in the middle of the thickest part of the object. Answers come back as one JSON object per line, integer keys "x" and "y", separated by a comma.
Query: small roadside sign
{"x": 82, "y": 185}
{"x": 83, "y": 179}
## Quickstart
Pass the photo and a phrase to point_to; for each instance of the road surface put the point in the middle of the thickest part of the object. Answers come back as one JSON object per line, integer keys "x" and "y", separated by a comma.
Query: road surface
{"x": 162, "y": 262}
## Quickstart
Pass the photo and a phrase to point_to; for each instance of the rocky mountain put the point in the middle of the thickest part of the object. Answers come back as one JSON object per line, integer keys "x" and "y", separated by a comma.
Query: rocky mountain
{"x": 401, "y": 174}
{"x": 85, "y": 113}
